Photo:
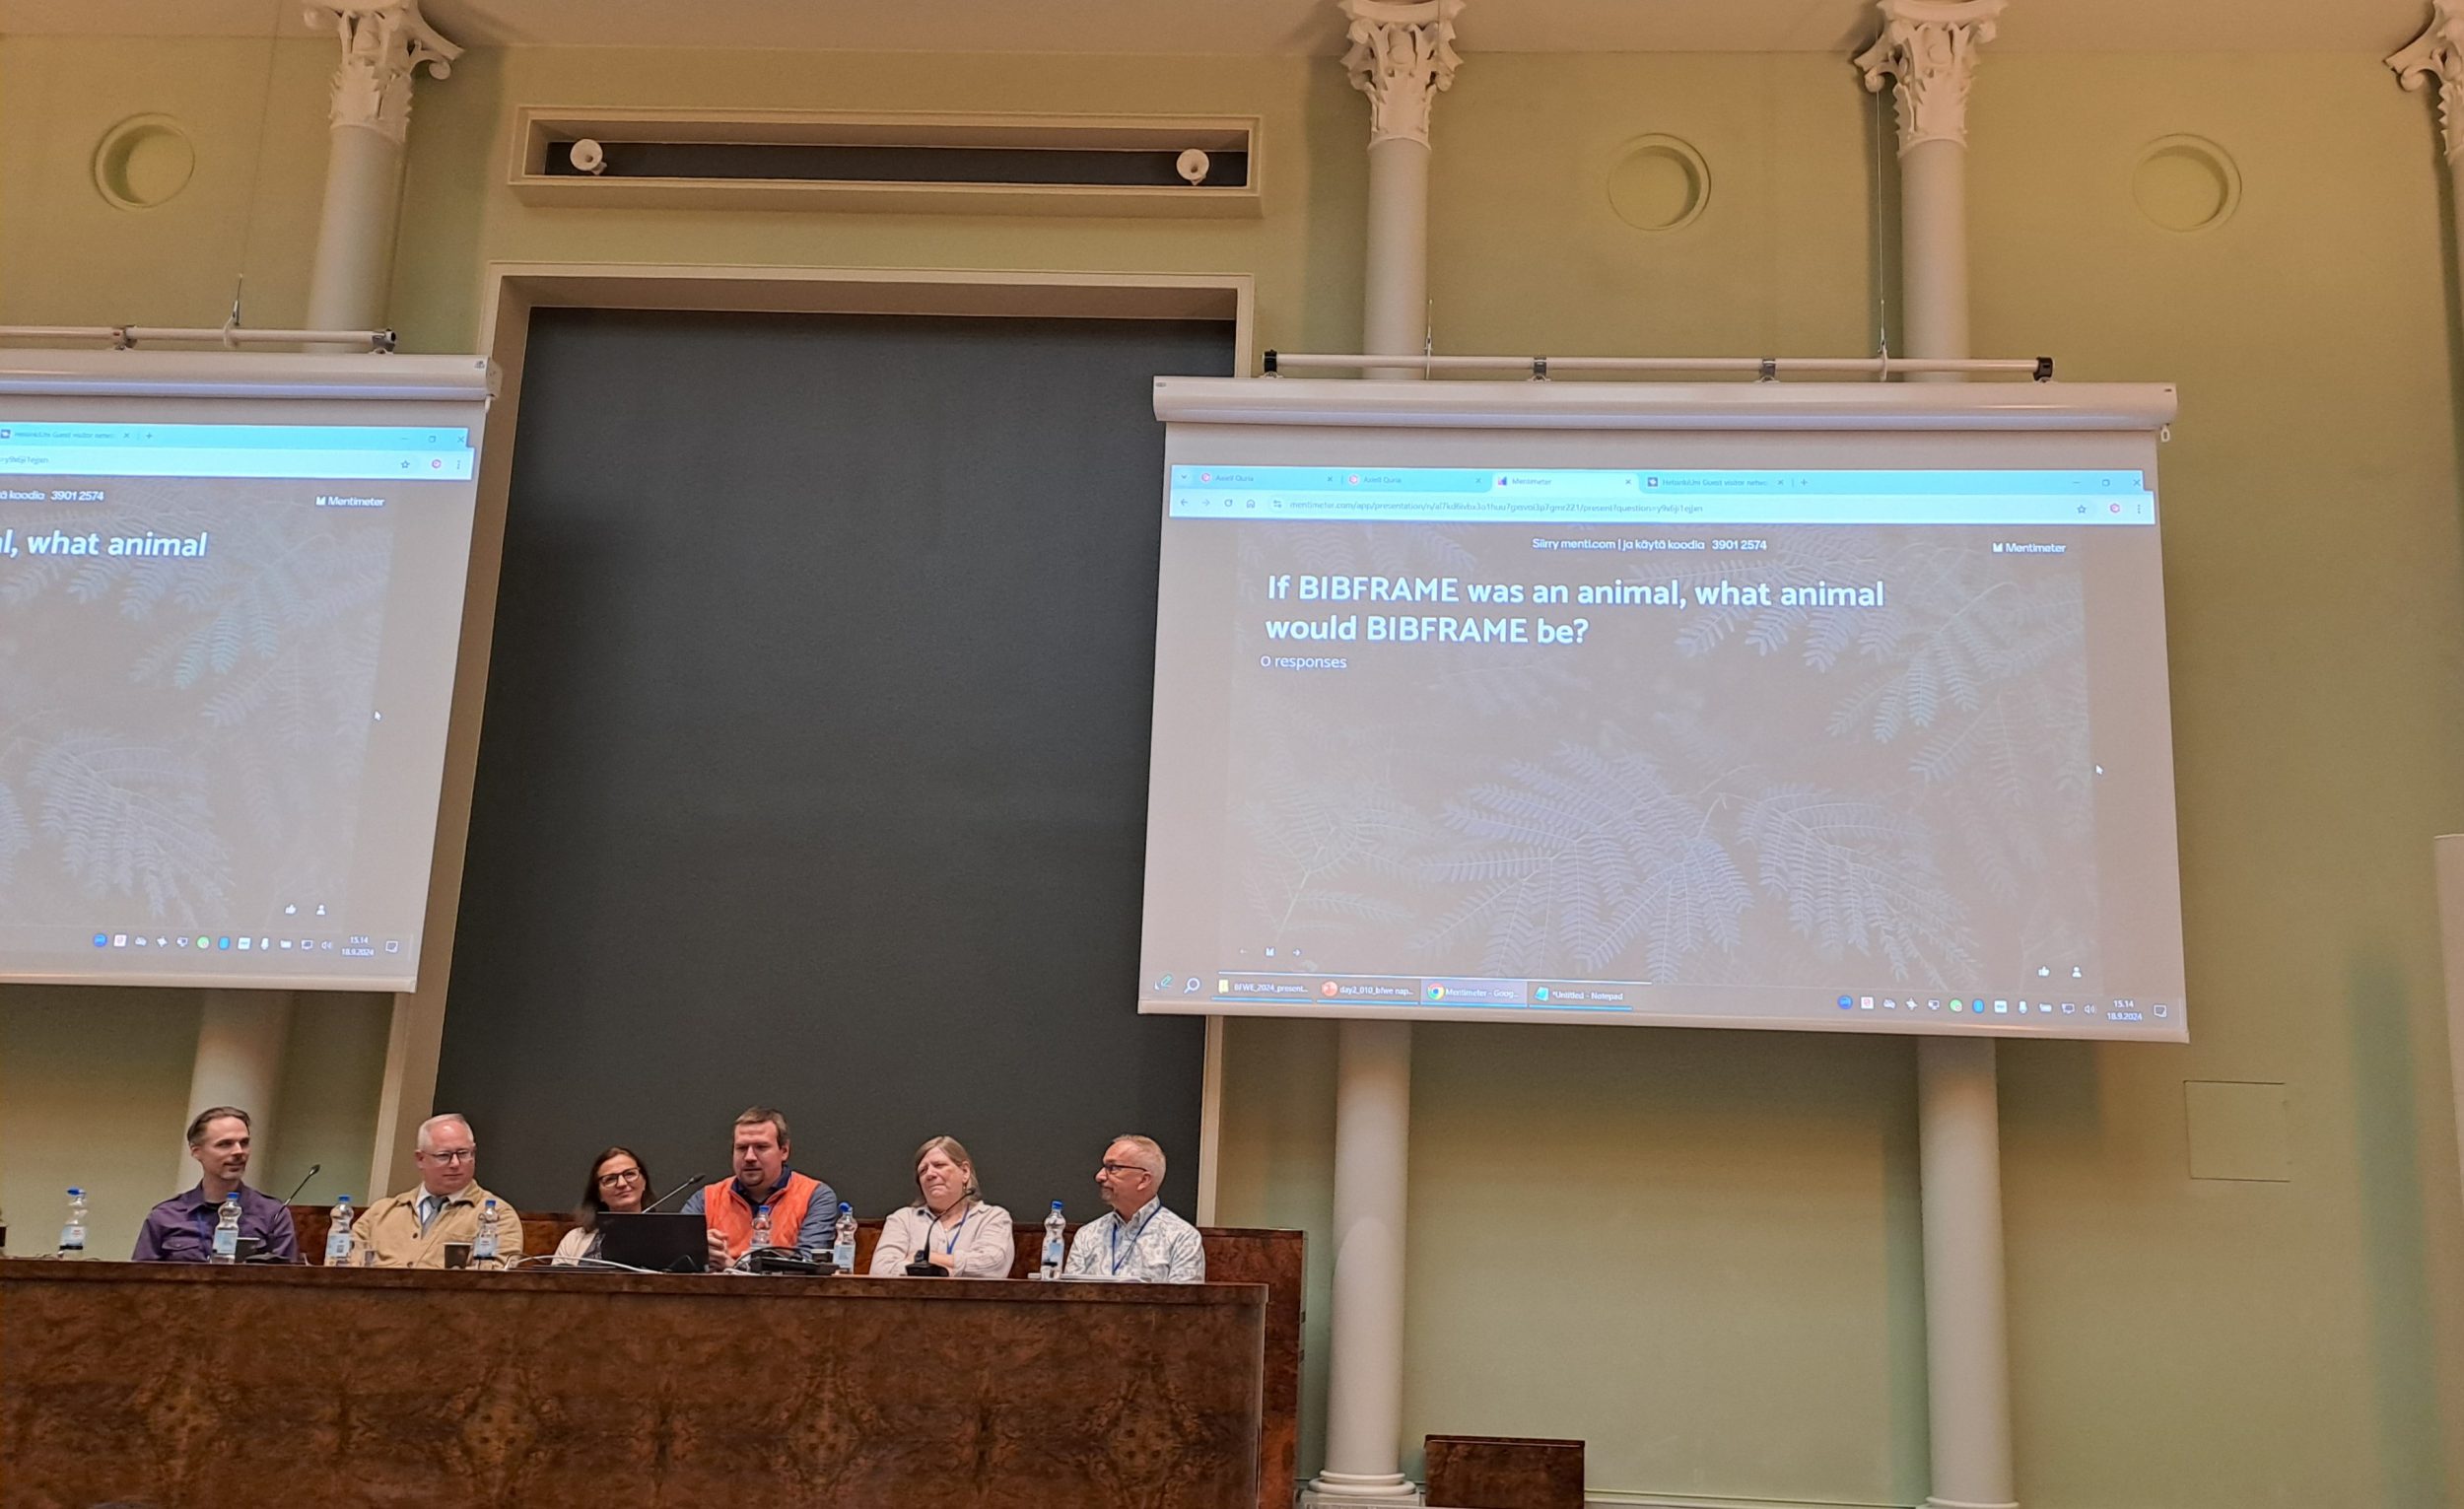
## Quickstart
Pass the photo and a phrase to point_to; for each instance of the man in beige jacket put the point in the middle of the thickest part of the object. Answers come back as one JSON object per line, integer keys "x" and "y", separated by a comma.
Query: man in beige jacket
{"x": 411, "y": 1230}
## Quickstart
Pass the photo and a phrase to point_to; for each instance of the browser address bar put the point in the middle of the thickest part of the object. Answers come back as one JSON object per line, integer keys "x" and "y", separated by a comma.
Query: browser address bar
{"x": 2071, "y": 510}
{"x": 448, "y": 465}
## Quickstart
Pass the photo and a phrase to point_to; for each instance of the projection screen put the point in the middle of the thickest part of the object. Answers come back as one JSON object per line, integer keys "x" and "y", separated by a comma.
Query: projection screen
{"x": 1777, "y": 705}
{"x": 231, "y": 590}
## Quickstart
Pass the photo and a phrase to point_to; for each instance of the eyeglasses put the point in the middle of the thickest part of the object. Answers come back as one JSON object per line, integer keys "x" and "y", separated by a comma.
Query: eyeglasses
{"x": 610, "y": 1180}
{"x": 1122, "y": 1168}
{"x": 453, "y": 1154}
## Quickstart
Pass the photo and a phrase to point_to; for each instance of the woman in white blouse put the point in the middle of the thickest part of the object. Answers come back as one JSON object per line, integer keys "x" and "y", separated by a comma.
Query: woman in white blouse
{"x": 618, "y": 1181}
{"x": 950, "y": 1226}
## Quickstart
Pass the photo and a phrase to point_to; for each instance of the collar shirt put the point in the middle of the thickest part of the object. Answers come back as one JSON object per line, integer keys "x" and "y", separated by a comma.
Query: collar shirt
{"x": 1154, "y": 1246}
{"x": 982, "y": 1243}
{"x": 815, "y": 1232}
{"x": 181, "y": 1228}
{"x": 392, "y": 1233}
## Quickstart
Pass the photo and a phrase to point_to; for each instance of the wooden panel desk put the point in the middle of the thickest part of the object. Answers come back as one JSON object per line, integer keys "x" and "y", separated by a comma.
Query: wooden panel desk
{"x": 1234, "y": 1254}
{"x": 199, "y": 1388}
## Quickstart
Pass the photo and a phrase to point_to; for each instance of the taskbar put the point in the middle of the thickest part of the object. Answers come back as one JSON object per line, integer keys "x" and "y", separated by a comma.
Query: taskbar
{"x": 1427, "y": 993}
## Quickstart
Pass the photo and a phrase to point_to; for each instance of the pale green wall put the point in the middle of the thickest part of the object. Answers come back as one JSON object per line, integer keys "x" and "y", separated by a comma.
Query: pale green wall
{"x": 1745, "y": 1318}
{"x": 94, "y": 1082}
{"x": 1714, "y": 1275}
{"x": 93, "y": 1092}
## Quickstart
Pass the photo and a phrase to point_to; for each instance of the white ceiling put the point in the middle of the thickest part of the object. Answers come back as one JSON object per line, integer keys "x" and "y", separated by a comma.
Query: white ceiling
{"x": 1272, "y": 26}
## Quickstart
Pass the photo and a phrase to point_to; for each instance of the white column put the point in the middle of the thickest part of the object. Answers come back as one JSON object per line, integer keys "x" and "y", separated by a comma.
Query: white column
{"x": 240, "y": 1051}
{"x": 1365, "y": 1341}
{"x": 1402, "y": 56}
{"x": 384, "y": 43}
{"x": 2438, "y": 53}
{"x": 1968, "y": 1351}
{"x": 241, "y": 1034}
{"x": 1928, "y": 50}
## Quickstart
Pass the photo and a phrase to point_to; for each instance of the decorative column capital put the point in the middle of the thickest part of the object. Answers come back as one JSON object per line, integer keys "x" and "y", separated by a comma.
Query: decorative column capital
{"x": 1928, "y": 49}
{"x": 1403, "y": 53}
{"x": 2439, "y": 51}
{"x": 384, "y": 43}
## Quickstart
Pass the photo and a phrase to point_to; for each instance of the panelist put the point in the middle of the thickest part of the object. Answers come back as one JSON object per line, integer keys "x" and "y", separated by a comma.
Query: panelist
{"x": 181, "y": 1228}
{"x": 412, "y": 1229}
{"x": 950, "y": 1225}
{"x": 1136, "y": 1240}
{"x": 618, "y": 1181}
{"x": 802, "y": 1209}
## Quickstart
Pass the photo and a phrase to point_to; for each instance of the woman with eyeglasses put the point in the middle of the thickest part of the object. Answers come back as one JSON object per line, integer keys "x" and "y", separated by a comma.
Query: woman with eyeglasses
{"x": 949, "y": 1227}
{"x": 618, "y": 1181}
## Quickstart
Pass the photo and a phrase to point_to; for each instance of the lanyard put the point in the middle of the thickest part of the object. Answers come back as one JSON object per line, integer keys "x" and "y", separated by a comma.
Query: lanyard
{"x": 932, "y": 1223}
{"x": 1133, "y": 1238}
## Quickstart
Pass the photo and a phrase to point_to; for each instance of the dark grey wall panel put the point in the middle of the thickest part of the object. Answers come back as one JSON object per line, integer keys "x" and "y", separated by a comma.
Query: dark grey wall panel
{"x": 815, "y": 758}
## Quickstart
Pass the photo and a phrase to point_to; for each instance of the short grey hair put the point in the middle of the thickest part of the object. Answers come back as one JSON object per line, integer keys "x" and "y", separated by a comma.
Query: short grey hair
{"x": 1146, "y": 1146}
{"x": 455, "y": 1117}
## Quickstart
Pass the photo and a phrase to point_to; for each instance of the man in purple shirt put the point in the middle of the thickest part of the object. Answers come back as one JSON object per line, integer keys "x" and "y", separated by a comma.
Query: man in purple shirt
{"x": 181, "y": 1228}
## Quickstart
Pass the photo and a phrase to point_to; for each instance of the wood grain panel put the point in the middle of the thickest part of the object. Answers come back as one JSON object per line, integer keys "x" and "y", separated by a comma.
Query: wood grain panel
{"x": 184, "y": 1387}
{"x": 1234, "y": 1254}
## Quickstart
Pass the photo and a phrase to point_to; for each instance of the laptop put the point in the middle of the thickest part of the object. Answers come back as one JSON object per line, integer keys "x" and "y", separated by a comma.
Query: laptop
{"x": 664, "y": 1243}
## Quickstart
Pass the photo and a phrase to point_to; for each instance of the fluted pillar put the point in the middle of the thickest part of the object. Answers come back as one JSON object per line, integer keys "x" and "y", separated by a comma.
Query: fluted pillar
{"x": 385, "y": 42}
{"x": 1928, "y": 52}
{"x": 1402, "y": 58}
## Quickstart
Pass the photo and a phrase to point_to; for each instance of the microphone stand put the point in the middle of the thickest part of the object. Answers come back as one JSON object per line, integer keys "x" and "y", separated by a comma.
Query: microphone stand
{"x": 670, "y": 1195}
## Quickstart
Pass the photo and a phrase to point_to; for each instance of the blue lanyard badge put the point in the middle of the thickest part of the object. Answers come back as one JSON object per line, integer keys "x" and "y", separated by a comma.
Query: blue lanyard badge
{"x": 956, "y": 1231}
{"x": 1133, "y": 1238}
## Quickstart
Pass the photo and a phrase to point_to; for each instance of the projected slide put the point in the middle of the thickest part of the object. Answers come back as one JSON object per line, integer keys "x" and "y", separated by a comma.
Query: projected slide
{"x": 225, "y": 654}
{"x": 1800, "y": 747}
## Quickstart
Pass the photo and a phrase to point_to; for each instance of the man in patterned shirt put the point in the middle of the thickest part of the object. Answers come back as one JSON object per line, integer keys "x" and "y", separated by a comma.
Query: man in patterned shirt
{"x": 1137, "y": 1240}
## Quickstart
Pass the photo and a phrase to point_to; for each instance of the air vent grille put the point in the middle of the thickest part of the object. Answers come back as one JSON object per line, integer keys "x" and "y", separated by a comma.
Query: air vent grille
{"x": 1201, "y": 166}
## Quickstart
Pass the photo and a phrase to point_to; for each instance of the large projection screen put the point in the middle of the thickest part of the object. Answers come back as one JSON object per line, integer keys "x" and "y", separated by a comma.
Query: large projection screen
{"x": 231, "y": 592}
{"x": 1779, "y": 705}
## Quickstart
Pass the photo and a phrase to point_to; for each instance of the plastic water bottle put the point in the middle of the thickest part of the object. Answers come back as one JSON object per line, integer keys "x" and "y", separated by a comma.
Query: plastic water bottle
{"x": 1056, "y": 1240}
{"x": 761, "y": 1228}
{"x": 842, "y": 1241}
{"x": 227, "y": 1230}
{"x": 483, "y": 1247}
{"x": 73, "y": 1234}
{"x": 338, "y": 1234}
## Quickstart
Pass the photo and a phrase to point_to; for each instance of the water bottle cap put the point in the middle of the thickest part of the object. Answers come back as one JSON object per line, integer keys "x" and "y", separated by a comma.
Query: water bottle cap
{"x": 1056, "y": 1204}
{"x": 765, "y": 1210}
{"x": 78, "y": 1192}
{"x": 845, "y": 1208}
{"x": 342, "y": 1200}
{"x": 490, "y": 1204}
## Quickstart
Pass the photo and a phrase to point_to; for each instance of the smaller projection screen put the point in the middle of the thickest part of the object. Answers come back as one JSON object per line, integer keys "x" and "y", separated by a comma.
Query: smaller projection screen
{"x": 1782, "y": 706}
{"x": 231, "y": 592}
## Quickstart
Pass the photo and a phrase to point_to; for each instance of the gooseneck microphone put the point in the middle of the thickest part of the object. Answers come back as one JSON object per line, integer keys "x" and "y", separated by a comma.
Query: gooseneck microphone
{"x": 671, "y": 1193}
{"x": 314, "y": 1169}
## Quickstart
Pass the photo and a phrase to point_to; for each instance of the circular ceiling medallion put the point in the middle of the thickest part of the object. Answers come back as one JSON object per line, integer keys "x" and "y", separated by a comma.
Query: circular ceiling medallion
{"x": 2185, "y": 183}
{"x": 1659, "y": 184}
{"x": 143, "y": 162}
